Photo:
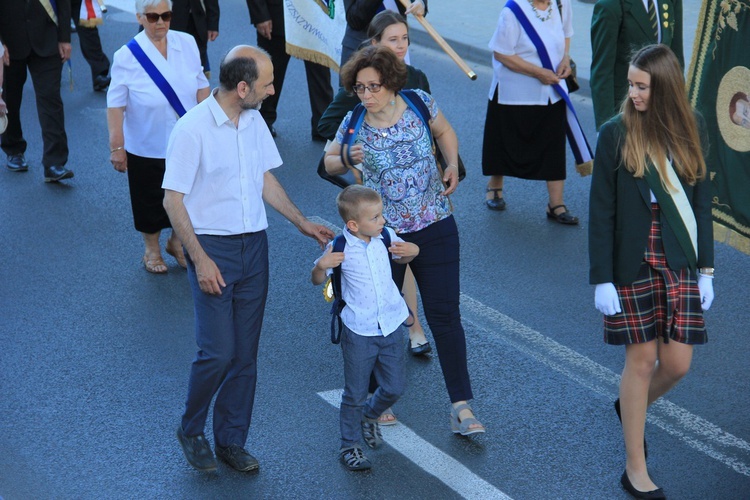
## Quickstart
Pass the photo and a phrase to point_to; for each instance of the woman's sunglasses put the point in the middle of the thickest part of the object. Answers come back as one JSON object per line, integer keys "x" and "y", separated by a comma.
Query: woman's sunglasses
{"x": 153, "y": 17}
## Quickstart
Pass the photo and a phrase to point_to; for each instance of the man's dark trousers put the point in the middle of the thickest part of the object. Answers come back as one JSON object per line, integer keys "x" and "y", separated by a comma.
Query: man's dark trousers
{"x": 46, "y": 73}
{"x": 227, "y": 331}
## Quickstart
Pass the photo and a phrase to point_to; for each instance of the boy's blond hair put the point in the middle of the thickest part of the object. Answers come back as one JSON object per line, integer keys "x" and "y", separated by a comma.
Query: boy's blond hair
{"x": 351, "y": 199}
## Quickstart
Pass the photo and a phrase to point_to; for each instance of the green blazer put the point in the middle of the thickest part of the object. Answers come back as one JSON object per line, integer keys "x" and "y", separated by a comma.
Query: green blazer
{"x": 620, "y": 214}
{"x": 343, "y": 102}
{"x": 619, "y": 28}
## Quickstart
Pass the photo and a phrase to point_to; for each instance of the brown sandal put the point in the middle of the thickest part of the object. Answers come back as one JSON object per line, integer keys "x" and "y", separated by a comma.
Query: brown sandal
{"x": 178, "y": 255}
{"x": 152, "y": 265}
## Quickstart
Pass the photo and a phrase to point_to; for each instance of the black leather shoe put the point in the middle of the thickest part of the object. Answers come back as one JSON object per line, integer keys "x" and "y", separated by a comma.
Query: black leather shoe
{"x": 420, "y": 350}
{"x": 648, "y": 495}
{"x": 619, "y": 416}
{"x": 237, "y": 458}
{"x": 17, "y": 163}
{"x": 54, "y": 174}
{"x": 564, "y": 217}
{"x": 496, "y": 202}
{"x": 101, "y": 83}
{"x": 197, "y": 451}
{"x": 273, "y": 130}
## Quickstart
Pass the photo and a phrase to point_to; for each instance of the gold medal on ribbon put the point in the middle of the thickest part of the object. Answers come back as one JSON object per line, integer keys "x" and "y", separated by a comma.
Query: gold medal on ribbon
{"x": 328, "y": 290}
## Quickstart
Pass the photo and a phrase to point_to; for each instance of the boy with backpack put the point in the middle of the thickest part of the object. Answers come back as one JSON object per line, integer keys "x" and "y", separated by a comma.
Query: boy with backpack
{"x": 371, "y": 310}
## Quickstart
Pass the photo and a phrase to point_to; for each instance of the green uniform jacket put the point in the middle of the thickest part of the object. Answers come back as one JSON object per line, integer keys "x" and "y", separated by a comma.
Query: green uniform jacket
{"x": 619, "y": 28}
{"x": 344, "y": 102}
{"x": 620, "y": 214}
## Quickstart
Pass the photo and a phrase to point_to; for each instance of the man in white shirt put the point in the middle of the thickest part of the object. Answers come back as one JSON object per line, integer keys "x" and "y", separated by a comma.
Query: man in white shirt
{"x": 217, "y": 176}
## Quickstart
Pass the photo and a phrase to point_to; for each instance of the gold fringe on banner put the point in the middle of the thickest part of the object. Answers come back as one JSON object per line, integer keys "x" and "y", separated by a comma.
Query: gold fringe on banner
{"x": 312, "y": 56}
{"x": 726, "y": 235}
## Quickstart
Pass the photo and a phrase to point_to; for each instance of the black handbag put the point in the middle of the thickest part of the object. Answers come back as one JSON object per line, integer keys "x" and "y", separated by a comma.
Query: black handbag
{"x": 572, "y": 79}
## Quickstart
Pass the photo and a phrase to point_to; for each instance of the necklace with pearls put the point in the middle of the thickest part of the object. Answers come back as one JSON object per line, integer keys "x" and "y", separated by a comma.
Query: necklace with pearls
{"x": 536, "y": 12}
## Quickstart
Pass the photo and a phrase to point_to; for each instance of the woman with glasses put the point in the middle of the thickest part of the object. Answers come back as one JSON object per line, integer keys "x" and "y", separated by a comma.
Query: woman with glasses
{"x": 140, "y": 117}
{"x": 393, "y": 151}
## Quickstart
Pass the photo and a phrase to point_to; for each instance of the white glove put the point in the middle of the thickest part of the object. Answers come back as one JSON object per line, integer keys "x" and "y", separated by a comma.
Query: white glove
{"x": 606, "y": 300}
{"x": 706, "y": 289}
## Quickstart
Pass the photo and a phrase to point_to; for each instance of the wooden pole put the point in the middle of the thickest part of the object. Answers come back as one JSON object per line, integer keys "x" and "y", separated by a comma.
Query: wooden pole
{"x": 443, "y": 44}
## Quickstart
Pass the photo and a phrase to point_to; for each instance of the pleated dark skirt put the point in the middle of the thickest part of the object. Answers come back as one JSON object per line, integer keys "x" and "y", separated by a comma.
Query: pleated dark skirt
{"x": 527, "y": 142}
{"x": 660, "y": 303}
{"x": 145, "y": 176}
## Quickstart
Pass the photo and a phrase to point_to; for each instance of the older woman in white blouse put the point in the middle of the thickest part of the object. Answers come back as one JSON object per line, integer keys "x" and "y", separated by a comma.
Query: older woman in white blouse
{"x": 524, "y": 133}
{"x": 141, "y": 118}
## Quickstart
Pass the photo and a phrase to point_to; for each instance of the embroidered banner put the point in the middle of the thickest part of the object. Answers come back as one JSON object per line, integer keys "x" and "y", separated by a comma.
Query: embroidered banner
{"x": 314, "y": 30}
{"x": 719, "y": 87}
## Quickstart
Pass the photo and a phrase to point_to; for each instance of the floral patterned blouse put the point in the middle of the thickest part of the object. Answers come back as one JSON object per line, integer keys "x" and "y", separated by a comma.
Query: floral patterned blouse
{"x": 400, "y": 165}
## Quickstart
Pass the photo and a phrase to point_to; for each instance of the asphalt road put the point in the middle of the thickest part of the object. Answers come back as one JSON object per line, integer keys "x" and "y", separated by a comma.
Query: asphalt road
{"x": 96, "y": 351}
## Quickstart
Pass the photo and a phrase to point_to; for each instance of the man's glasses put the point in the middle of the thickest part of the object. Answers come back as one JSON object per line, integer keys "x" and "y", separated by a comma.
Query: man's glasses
{"x": 153, "y": 17}
{"x": 373, "y": 88}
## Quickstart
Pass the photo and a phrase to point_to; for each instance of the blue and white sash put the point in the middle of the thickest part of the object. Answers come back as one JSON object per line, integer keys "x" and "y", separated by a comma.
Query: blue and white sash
{"x": 157, "y": 77}
{"x": 578, "y": 143}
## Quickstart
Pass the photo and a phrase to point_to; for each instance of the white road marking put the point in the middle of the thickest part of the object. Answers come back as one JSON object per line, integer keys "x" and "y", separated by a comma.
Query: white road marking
{"x": 691, "y": 429}
{"x": 433, "y": 461}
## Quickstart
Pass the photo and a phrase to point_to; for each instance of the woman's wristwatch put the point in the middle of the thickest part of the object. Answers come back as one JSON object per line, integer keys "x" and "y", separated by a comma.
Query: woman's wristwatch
{"x": 706, "y": 271}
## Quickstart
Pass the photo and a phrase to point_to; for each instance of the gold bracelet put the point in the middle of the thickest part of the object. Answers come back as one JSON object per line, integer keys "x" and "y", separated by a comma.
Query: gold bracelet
{"x": 116, "y": 149}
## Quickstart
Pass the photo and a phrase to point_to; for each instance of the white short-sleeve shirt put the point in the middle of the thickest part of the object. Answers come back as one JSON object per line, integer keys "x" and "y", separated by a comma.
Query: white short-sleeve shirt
{"x": 374, "y": 305}
{"x": 511, "y": 39}
{"x": 149, "y": 118}
{"x": 219, "y": 168}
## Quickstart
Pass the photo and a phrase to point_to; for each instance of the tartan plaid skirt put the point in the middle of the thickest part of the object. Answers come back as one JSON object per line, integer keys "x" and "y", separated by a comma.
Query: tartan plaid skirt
{"x": 659, "y": 303}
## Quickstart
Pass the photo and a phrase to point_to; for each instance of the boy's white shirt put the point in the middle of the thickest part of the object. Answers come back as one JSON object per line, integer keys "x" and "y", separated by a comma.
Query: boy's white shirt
{"x": 372, "y": 297}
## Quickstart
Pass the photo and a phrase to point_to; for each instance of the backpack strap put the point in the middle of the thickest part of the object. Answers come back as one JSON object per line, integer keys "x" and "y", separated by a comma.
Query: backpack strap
{"x": 339, "y": 242}
{"x": 350, "y": 134}
{"x": 417, "y": 105}
{"x": 386, "y": 238}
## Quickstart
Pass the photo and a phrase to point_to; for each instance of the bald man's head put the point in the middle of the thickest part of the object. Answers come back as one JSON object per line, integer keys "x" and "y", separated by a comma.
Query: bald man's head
{"x": 242, "y": 63}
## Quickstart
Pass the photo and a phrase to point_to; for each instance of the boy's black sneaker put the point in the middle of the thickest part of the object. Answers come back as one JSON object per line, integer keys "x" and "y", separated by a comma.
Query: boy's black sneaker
{"x": 354, "y": 458}
{"x": 237, "y": 458}
{"x": 197, "y": 450}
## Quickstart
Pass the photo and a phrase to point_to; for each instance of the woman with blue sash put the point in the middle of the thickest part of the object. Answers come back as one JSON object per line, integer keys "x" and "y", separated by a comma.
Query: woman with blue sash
{"x": 156, "y": 77}
{"x": 525, "y": 127}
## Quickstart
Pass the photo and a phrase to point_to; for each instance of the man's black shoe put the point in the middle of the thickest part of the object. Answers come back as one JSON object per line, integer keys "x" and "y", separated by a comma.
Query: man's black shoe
{"x": 197, "y": 451}
{"x": 54, "y": 174}
{"x": 237, "y": 458}
{"x": 17, "y": 163}
{"x": 273, "y": 130}
{"x": 101, "y": 83}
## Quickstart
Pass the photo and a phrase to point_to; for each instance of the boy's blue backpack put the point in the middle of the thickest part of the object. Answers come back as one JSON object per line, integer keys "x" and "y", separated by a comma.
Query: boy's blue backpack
{"x": 339, "y": 242}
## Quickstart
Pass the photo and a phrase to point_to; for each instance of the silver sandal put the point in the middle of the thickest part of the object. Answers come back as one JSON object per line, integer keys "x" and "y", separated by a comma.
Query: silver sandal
{"x": 463, "y": 426}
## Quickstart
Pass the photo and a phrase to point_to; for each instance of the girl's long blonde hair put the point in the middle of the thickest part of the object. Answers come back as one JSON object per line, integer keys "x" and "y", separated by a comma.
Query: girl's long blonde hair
{"x": 667, "y": 128}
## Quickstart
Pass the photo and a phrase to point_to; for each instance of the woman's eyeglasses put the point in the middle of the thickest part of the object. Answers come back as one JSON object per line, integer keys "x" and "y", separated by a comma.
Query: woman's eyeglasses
{"x": 153, "y": 17}
{"x": 373, "y": 88}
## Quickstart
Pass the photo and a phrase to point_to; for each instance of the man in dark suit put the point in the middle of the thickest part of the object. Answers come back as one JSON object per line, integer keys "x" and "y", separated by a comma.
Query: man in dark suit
{"x": 38, "y": 40}
{"x": 91, "y": 48}
{"x": 268, "y": 18}
{"x": 618, "y": 29}
{"x": 199, "y": 18}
